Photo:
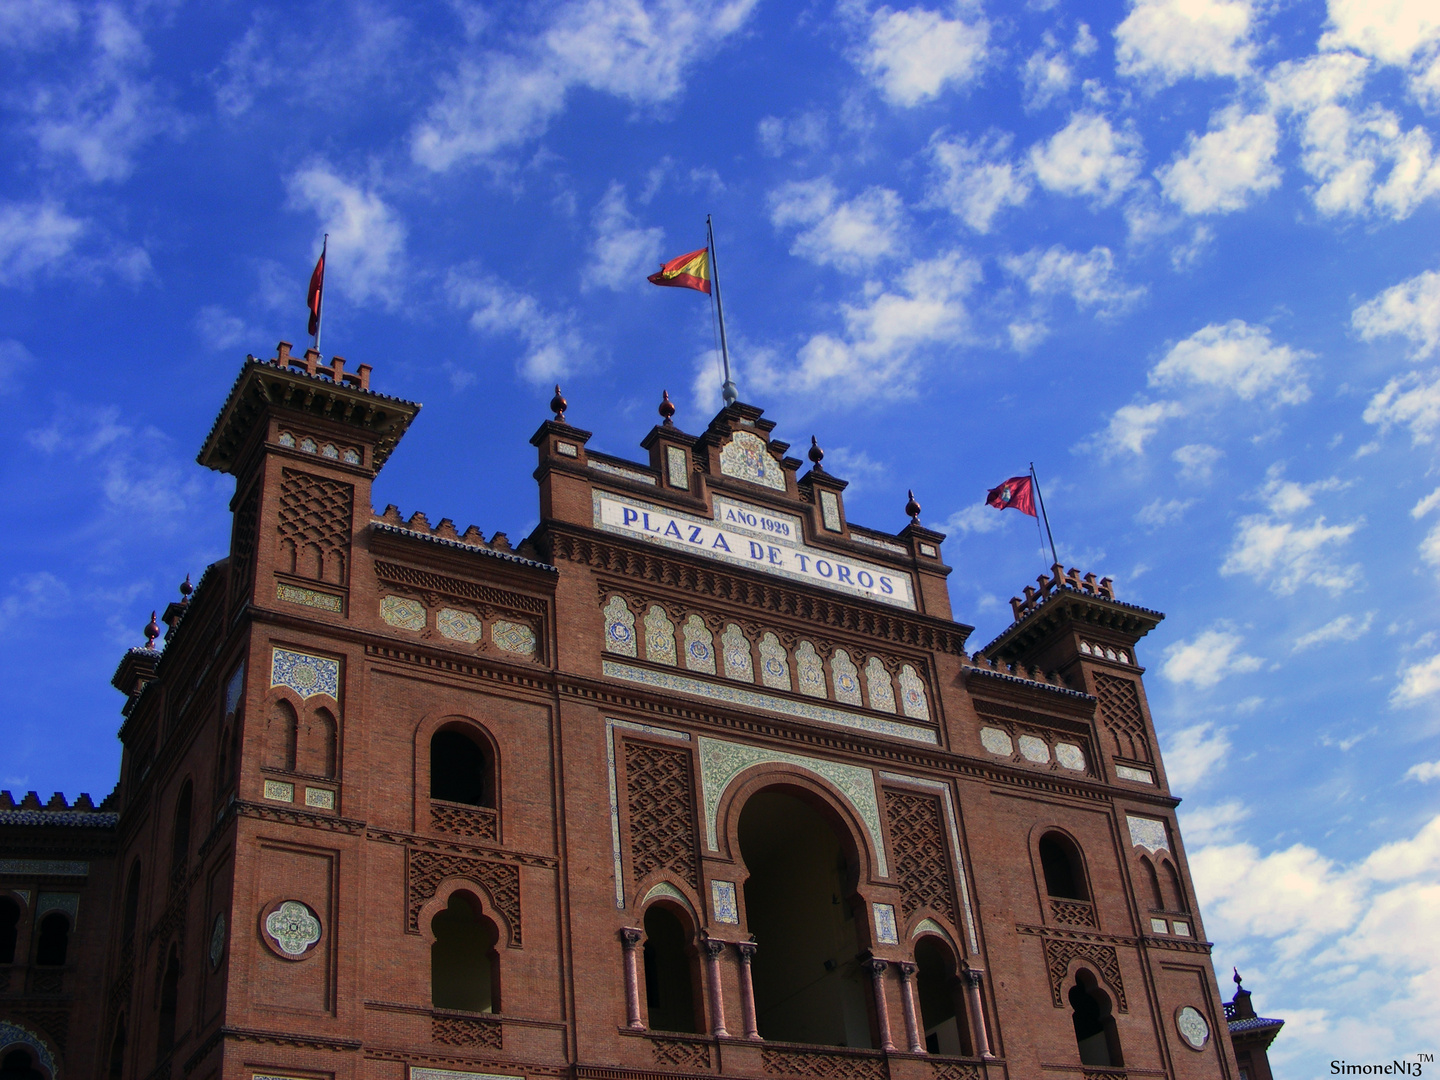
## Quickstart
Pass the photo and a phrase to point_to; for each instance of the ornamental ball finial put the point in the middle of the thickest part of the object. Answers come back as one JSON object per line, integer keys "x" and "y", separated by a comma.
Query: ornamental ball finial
{"x": 186, "y": 588}
{"x": 151, "y": 631}
{"x": 913, "y": 509}
{"x": 815, "y": 454}
{"x": 667, "y": 407}
{"x": 558, "y": 405}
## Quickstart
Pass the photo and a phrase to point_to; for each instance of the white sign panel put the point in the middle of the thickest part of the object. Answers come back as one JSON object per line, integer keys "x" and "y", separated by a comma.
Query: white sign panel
{"x": 746, "y": 535}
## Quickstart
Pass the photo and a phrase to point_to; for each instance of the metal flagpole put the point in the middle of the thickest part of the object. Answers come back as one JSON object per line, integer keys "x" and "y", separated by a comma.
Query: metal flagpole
{"x": 320, "y": 299}
{"x": 728, "y": 391}
{"x": 1036, "y": 481}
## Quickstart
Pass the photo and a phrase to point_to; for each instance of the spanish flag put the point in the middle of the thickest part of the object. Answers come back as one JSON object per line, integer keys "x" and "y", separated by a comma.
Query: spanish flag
{"x": 690, "y": 271}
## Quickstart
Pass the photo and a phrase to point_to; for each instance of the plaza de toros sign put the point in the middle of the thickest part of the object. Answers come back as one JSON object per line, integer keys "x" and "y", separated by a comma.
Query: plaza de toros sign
{"x": 747, "y": 535}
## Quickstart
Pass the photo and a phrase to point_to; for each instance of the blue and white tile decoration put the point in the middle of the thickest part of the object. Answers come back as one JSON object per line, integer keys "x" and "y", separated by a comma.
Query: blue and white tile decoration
{"x": 830, "y": 511}
{"x": 402, "y": 612}
{"x": 417, "y": 1073}
{"x": 882, "y": 691}
{"x": 1070, "y": 756}
{"x": 610, "y": 725}
{"x": 459, "y": 625}
{"x": 665, "y": 889}
{"x": 845, "y": 678}
{"x": 1033, "y": 749}
{"x": 996, "y": 741}
{"x": 912, "y": 694}
{"x": 1126, "y": 772}
{"x": 309, "y": 676}
{"x": 513, "y": 637}
{"x": 943, "y": 790}
{"x": 722, "y": 903}
{"x": 735, "y": 648}
{"x": 1148, "y": 833}
{"x": 699, "y": 646}
{"x": 809, "y": 670}
{"x": 755, "y": 699}
{"x": 774, "y": 664}
{"x": 675, "y": 465}
{"x": 886, "y": 932}
{"x": 745, "y": 457}
{"x": 659, "y": 636}
{"x": 721, "y": 762}
{"x": 619, "y": 627}
{"x": 628, "y": 474}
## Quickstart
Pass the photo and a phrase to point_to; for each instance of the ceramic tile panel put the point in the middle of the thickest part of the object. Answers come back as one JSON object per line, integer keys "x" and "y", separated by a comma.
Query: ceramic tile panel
{"x": 295, "y": 594}
{"x": 1070, "y": 756}
{"x": 664, "y": 888}
{"x": 293, "y": 927}
{"x": 830, "y": 511}
{"x": 309, "y": 676}
{"x": 722, "y": 903}
{"x": 774, "y": 664}
{"x": 746, "y": 457}
{"x": 452, "y": 1074}
{"x": 1140, "y": 776}
{"x": 886, "y": 932}
{"x": 845, "y": 678}
{"x": 996, "y": 741}
{"x": 659, "y": 636}
{"x": 513, "y": 637}
{"x": 809, "y": 670}
{"x": 1192, "y": 1027}
{"x": 1033, "y": 749}
{"x": 882, "y": 691}
{"x": 279, "y": 791}
{"x": 677, "y": 473}
{"x": 614, "y": 788}
{"x": 351, "y": 456}
{"x": 1148, "y": 833}
{"x": 402, "y": 612}
{"x": 912, "y": 694}
{"x": 320, "y": 798}
{"x": 699, "y": 646}
{"x": 628, "y": 474}
{"x": 619, "y": 627}
{"x": 735, "y": 648}
{"x": 459, "y": 625}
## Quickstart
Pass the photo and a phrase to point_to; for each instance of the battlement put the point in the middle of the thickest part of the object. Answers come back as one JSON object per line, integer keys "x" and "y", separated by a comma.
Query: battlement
{"x": 418, "y": 524}
{"x": 84, "y": 804}
{"x": 311, "y": 365}
{"x": 1057, "y": 581}
{"x": 1019, "y": 672}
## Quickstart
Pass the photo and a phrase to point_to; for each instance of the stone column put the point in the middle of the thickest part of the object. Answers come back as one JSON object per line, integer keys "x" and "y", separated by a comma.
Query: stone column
{"x": 973, "y": 978}
{"x": 746, "y": 949}
{"x": 630, "y": 938}
{"x": 877, "y": 967}
{"x": 907, "y": 1002}
{"x": 712, "y": 950}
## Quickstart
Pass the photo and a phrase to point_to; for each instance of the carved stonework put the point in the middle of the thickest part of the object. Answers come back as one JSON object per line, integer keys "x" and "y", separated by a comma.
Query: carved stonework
{"x": 922, "y": 853}
{"x": 314, "y": 526}
{"x": 1121, "y": 716}
{"x": 1059, "y": 953}
{"x": 471, "y": 822}
{"x": 680, "y": 1054}
{"x": 465, "y": 1031}
{"x": 778, "y": 1062}
{"x": 425, "y": 870}
{"x": 662, "y": 811}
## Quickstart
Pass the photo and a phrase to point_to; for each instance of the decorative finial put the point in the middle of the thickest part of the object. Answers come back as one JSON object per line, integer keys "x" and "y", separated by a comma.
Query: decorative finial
{"x": 729, "y": 393}
{"x": 913, "y": 509}
{"x": 186, "y": 588}
{"x": 816, "y": 455}
{"x": 558, "y": 405}
{"x": 667, "y": 408}
{"x": 151, "y": 631}
{"x": 1236, "y": 978}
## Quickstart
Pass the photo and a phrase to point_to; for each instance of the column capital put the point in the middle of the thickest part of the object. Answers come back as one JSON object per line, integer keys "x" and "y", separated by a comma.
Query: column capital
{"x": 746, "y": 949}
{"x": 630, "y": 936}
{"x": 875, "y": 966}
{"x": 712, "y": 947}
{"x": 907, "y": 969}
{"x": 972, "y": 976}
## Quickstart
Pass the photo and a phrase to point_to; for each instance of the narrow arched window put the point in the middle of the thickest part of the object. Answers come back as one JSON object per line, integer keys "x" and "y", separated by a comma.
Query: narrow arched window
{"x": 1157, "y": 898}
{"x": 54, "y": 940}
{"x": 9, "y": 929}
{"x": 942, "y": 1008}
{"x": 19, "y": 1065}
{"x": 460, "y": 769}
{"x": 464, "y": 967}
{"x": 317, "y": 751}
{"x": 180, "y": 839}
{"x": 1175, "y": 895}
{"x": 130, "y": 913}
{"x": 669, "y": 972}
{"x": 280, "y": 734}
{"x": 1095, "y": 1034}
{"x": 1060, "y": 862}
{"x": 169, "y": 1006}
{"x": 117, "y": 1050}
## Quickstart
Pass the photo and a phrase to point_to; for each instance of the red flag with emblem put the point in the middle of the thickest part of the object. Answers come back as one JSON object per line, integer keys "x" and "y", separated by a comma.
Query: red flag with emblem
{"x": 1017, "y": 492}
{"x": 316, "y": 292}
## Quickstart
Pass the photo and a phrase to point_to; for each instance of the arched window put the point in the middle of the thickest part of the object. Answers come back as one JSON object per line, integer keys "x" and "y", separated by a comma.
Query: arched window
{"x": 280, "y": 733}
{"x": 180, "y": 839}
{"x": 317, "y": 748}
{"x": 19, "y": 1065}
{"x": 1157, "y": 898}
{"x": 9, "y": 929}
{"x": 130, "y": 913}
{"x": 464, "y": 966}
{"x": 670, "y": 972}
{"x": 54, "y": 940}
{"x": 1175, "y": 895}
{"x": 169, "y": 1005}
{"x": 117, "y": 1050}
{"x": 1095, "y": 1032}
{"x": 801, "y": 907}
{"x": 1064, "y": 874}
{"x": 460, "y": 770}
{"x": 942, "y": 1008}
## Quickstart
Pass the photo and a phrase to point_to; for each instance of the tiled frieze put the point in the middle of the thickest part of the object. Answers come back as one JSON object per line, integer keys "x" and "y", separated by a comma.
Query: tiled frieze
{"x": 735, "y": 648}
{"x": 1034, "y": 748}
{"x": 774, "y": 664}
{"x": 309, "y": 676}
{"x": 659, "y": 636}
{"x": 619, "y": 627}
{"x": 463, "y": 625}
{"x": 877, "y": 681}
{"x": 699, "y": 646}
{"x": 746, "y": 457}
{"x": 809, "y": 670}
{"x": 845, "y": 678}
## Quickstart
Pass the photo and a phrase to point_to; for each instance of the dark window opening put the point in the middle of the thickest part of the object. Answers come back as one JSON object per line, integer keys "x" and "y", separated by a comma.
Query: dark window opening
{"x": 9, "y": 929}
{"x": 1157, "y": 898}
{"x": 1176, "y": 896}
{"x": 669, "y": 972}
{"x": 54, "y": 940}
{"x": 464, "y": 965}
{"x": 942, "y": 1006}
{"x": 117, "y": 1051}
{"x": 280, "y": 736}
{"x": 169, "y": 1006}
{"x": 1095, "y": 1033}
{"x": 459, "y": 771}
{"x": 19, "y": 1065}
{"x": 180, "y": 845}
{"x": 1061, "y": 864}
{"x": 131, "y": 912}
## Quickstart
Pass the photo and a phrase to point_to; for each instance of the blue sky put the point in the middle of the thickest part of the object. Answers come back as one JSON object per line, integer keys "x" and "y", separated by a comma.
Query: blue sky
{"x": 1182, "y": 254}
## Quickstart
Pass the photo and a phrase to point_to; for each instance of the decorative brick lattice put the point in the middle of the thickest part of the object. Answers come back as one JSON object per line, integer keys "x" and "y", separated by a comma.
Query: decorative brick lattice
{"x": 779, "y": 1062}
{"x": 472, "y": 822}
{"x": 662, "y": 810}
{"x": 680, "y": 1054}
{"x": 464, "y": 1031}
{"x": 315, "y": 517}
{"x": 425, "y": 870}
{"x": 922, "y": 861}
{"x": 242, "y": 543}
{"x": 954, "y": 1070}
{"x": 1058, "y": 955}
{"x": 1120, "y": 712}
{"x": 1072, "y": 913}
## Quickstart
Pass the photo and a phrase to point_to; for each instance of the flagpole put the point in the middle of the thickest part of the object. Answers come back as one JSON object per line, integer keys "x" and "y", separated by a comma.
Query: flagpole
{"x": 1036, "y": 481}
{"x": 320, "y": 300}
{"x": 728, "y": 391}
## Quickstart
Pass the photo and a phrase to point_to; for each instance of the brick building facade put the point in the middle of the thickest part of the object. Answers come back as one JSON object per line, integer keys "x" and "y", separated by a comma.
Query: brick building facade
{"x": 697, "y": 779}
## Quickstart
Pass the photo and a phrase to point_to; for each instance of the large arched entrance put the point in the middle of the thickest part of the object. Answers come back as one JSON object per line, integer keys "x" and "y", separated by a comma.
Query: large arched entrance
{"x": 800, "y": 904}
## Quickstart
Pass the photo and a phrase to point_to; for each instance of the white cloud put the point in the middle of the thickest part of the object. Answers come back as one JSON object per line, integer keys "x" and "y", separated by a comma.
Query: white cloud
{"x": 366, "y": 235}
{"x": 553, "y": 347}
{"x": 846, "y": 234}
{"x": 914, "y": 54}
{"x": 1411, "y": 400}
{"x": 1214, "y": 823}
{"x": 1132, "y": 426}
{"x": 1425, "y": 505}
{"x": 14, "y": 358}
{"x": 975, "y": 518}
{"x": 622, "y": 251}
{"x": 1205, "y": 661}
{"x": 1048, "y": 74}
{"x": 1418, "y": 681}
{"x": 1222, "y": 169}
{"x": 1423, "y": 771}
{"x": 1238, "y": 358}
{"x": 639, "y": 52}
{"x": 1087, "y": 277}
{"x": 1284, "y": 555}
{"x": 1287, "y": 497}
{"x": 1197, "y": 462}
{"x": 1169, "y": 40}
{"x": 1158, "y": 513}
{"x": 1344, "y": 628}
{"x": 1410, "y": 309}
{"x": 1193, "y": 753}
{"x": 1392, "y": 32}
{"x": 1088, "y": 157}
{"x": 26, "y": 24}
{"x": 35, "y": 238}
{"x": 976, "y": 181}
{"x": 219, "y": 329}
{"x": 807, "y": 131}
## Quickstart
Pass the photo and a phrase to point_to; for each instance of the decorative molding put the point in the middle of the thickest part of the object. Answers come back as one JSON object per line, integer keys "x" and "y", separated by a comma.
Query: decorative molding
{"x": 681, "y": 1053}
{"x": 782, "y": 1061}
{"x": 427, "y": 581}
{"x": 1059, "y": 954}
{"x": 661, "y": 805}
{"x": 465, "y": 1031}
{"x": 425, "y": 870}
{"x": 610, "y": 725}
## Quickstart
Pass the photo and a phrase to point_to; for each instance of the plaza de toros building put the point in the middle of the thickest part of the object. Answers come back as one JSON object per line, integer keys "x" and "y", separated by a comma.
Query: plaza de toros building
{"x": 698, "y": 779}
